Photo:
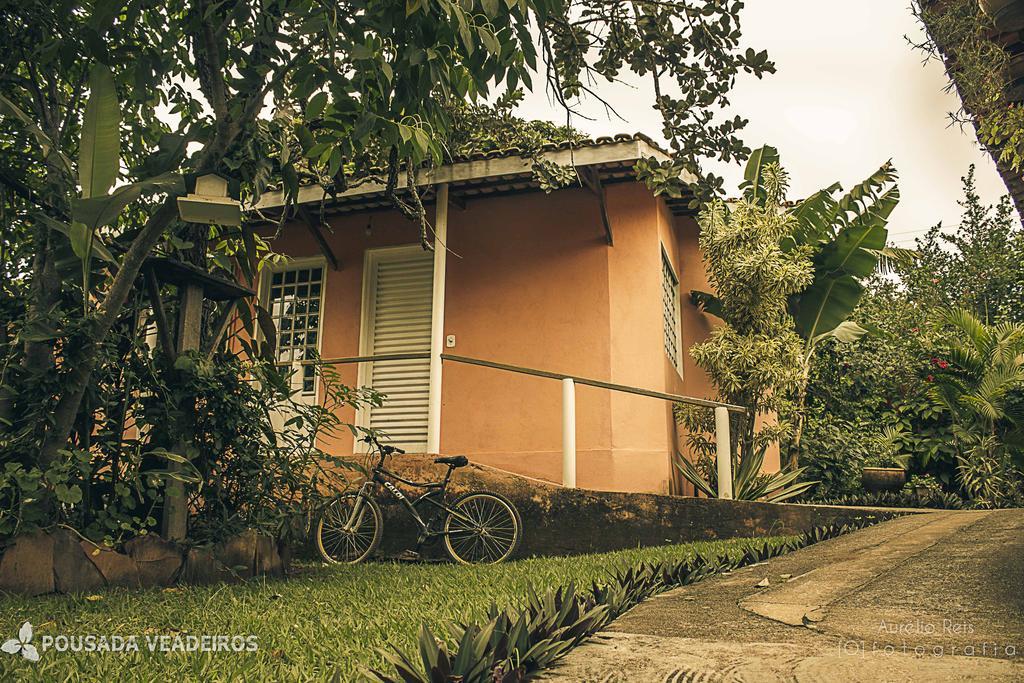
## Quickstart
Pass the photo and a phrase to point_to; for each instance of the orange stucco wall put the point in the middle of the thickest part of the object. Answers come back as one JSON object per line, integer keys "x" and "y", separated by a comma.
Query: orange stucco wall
{"x": 531, "y": 282}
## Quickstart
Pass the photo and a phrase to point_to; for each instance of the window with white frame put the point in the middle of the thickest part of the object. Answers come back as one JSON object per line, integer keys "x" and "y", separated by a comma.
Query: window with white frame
{"x": 670, "y": 308}
{"x": 294, "y": 303}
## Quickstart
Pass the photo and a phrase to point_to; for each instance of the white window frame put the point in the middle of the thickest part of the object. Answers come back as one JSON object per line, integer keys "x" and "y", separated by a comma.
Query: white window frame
{"x": 263, "y": 295}
{"x": 677, "y": 362}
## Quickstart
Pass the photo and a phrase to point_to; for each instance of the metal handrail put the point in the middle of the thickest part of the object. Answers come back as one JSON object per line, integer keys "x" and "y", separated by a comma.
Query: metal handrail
{"x": 722, "y": 410}
{"x": 677, "y": 398}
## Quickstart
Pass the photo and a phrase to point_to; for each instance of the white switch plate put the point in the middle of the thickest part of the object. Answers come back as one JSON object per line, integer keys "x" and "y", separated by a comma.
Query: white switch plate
{"x": 449, "y": 341}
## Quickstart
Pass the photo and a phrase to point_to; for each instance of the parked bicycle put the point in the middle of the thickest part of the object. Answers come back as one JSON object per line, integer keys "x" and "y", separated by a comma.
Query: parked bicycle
{"x": 477, "y": 527}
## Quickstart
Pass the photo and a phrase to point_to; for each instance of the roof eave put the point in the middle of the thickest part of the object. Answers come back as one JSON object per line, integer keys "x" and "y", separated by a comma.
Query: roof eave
{"x": 495, "y": 167}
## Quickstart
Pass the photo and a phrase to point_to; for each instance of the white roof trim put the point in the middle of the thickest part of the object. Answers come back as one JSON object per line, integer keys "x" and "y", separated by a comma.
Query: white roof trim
{"x": 588, "y": 155}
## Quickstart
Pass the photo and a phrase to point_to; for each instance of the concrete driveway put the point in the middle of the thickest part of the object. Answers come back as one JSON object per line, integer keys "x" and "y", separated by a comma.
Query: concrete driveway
{"x": 928, "y": 597}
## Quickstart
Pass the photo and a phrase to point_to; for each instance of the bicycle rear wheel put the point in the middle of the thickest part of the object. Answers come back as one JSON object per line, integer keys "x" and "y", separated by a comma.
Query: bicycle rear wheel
{"x": 338, "y": 544}
{"x": 482, "y": 528}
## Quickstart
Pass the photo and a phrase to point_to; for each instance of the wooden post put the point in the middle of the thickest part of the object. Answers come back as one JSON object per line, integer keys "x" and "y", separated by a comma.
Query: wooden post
{"x": 190, "y": 323}
{"x": 723, "y": 454}
{"x": 437, "y": 319}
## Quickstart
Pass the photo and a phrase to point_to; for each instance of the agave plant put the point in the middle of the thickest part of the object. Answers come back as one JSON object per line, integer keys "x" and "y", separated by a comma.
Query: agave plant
{"x": 941, "y": 500}
{"x": 748, "y": 482}
{"x": 511, "y": 644}
{"x": 980, "y": 388}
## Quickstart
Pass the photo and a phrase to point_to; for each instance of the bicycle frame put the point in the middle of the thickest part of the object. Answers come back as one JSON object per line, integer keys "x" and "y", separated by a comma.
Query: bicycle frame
{"x": 434, "y": 490}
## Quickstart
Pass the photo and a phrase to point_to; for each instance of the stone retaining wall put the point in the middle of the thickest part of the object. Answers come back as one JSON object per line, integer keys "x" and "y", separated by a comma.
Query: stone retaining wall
{"x": 556, "y": 521}
{"x": 59, "y": 561}
{"x": 560, "y": 521}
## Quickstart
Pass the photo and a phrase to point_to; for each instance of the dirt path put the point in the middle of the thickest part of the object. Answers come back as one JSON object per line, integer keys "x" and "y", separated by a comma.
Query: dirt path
{"x": 933, "y": 597}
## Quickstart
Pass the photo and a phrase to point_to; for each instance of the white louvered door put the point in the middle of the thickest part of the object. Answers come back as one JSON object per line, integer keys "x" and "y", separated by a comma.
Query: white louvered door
{"x": 398, "y": 301}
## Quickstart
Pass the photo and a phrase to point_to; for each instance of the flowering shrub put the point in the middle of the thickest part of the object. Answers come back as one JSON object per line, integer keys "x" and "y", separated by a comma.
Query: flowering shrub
{"x": 887, "y": 378}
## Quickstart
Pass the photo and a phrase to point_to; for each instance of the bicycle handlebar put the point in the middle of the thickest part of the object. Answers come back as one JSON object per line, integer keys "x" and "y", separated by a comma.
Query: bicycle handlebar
{"x": 384, "y": 448}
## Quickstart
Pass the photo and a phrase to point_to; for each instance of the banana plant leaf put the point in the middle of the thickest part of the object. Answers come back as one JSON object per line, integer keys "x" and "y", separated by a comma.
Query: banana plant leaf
{"x": 826, "y": 304}
{"x": 99, "y": 155}
{"x": 753, "y": 173}
{"x": 815, "y": 218}
{"x": 852, "y": 236}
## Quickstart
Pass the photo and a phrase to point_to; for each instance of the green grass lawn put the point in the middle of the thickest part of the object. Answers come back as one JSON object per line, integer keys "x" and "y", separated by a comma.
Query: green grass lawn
{"x": 326, "y": 622}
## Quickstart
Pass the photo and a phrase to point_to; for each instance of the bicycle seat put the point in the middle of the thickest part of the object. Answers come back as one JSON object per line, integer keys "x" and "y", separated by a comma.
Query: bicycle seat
{"x": 453, "y": 461}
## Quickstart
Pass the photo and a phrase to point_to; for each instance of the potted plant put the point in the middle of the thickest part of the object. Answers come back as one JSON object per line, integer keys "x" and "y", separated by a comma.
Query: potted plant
{"x": 885, "y": 468}
{"x": 924, "y": 487}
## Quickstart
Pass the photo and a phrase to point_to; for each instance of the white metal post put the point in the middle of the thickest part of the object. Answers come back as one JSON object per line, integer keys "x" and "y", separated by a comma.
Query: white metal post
{"x": 437, "y": 319}
{"x": 723, "y": 455}
{"x": 568, "y": 433}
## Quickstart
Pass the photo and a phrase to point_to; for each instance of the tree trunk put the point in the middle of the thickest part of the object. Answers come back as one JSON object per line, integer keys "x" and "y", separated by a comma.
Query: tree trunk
{"x": 1012, "y": 179}
{"x": 190, "y": 327}
{"x": 43, "y": 294}
{"x": 77, "y": 379}
{"x": 793, "y": 457}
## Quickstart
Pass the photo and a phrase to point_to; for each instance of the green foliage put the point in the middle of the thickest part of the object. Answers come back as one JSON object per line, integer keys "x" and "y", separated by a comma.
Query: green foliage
{"x": 845, "y": 239}
{"x": 934, "y": 499}
{"x": 856, "y": 390}
{"x": 253, "y": 445}
{"x": 924, "y": 485}
{"x": 978, "y": 265}
{"x": 315, "y": 623}
{"x": 241, "y": 473}
{"x": 99, "y": 150}
{"x": 754, "y": 358}
{"x": 886, "y": 449}
{"x": 508, "y": 645}
{"x": 979, "y": 386}
{"x": 834, "y": 457}
{"x": 692, "y": 49}
{"x": 482, "y": 128}
{"x": 961, "y": 37}
{"x": 107, "y": 487}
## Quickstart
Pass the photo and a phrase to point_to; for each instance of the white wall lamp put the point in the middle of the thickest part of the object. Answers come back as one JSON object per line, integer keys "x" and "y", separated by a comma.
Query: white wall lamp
{"x": 210, "y": 202}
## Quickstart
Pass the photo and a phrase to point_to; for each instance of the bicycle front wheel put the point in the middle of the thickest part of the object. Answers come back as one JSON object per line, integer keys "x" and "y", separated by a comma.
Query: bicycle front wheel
{"x": 482, "y": 528}
{"x": 345, "y": 535}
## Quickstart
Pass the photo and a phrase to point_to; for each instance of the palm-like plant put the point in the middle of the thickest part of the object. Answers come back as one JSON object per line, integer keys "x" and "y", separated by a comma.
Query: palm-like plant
{"x": 887, "y": 448}
{"x": 980, "y": 391}
{"x": 846, "y": 235}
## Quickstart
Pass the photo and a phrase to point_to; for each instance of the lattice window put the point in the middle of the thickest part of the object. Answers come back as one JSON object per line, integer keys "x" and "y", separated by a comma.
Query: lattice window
{"x": 670, "y": 309}
{"x": 295, "y": 306}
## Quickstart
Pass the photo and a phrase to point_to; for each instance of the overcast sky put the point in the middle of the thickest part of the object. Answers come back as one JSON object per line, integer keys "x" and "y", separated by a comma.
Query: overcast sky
{"x": 849, "y": 93}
